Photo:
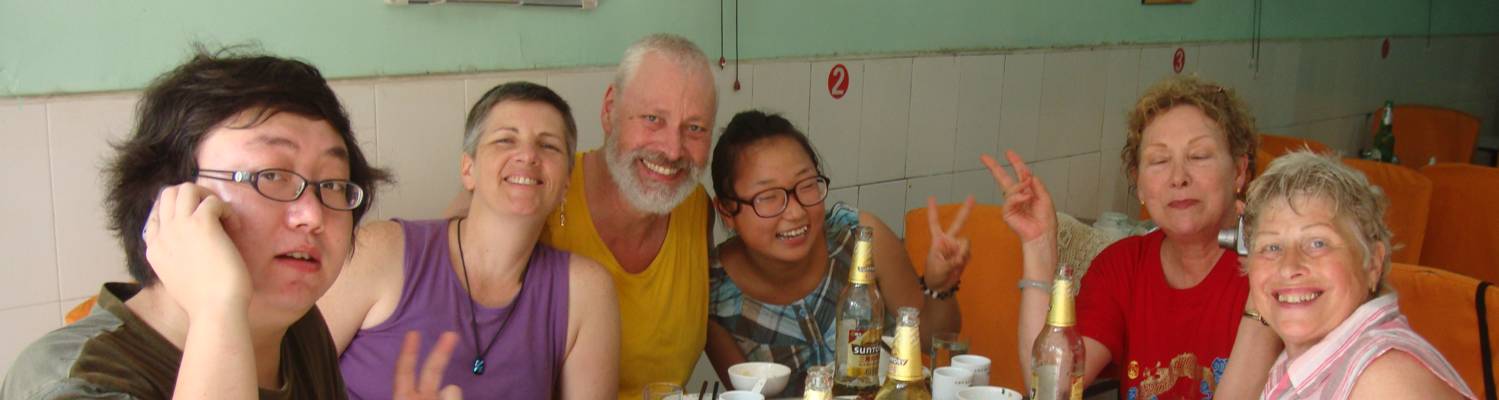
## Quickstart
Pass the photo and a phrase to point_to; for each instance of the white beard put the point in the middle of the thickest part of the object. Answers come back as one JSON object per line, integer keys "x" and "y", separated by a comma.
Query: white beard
{"x": 647, "y": 197}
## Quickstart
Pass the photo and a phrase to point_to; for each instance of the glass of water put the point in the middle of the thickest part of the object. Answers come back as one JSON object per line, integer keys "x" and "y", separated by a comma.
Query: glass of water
{"x": 663, "y": 391}
{"x": 945, "y": 345}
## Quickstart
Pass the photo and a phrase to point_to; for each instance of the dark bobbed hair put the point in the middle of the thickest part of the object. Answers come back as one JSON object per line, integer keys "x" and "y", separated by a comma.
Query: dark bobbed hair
{"x": 182, "y": 106}
{"x": 517, "y": 91}
{"x": 744, "y": 131}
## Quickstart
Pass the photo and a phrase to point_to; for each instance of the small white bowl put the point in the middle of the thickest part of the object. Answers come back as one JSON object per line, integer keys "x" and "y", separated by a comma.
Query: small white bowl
{"x": 744, "y": 375}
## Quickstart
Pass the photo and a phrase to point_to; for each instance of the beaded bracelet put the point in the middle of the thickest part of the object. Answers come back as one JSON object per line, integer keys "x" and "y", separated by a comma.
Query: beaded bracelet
{"x": 935, "y": 295}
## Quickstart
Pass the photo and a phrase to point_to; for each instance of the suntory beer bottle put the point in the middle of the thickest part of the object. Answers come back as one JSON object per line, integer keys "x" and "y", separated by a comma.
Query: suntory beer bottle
{"x": 906, "y": 380}
{"x": 1057, "y": 357}
{"x": 860, "y": 319}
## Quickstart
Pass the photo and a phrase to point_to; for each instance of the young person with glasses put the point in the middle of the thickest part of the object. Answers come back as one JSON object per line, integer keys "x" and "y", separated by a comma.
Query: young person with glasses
{"x": 235, "y": 198}
{"x": 780, "y": 273}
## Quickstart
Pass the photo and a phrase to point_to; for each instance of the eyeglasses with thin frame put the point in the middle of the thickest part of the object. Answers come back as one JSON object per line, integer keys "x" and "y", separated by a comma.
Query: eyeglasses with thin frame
{"x": 287, "y": 186}
{"x": 770, "y": 203}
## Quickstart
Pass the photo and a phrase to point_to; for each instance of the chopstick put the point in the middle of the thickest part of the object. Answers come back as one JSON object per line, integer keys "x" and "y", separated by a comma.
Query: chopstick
{"x": 715, "y": 390}
{"x": 702, "y": 390}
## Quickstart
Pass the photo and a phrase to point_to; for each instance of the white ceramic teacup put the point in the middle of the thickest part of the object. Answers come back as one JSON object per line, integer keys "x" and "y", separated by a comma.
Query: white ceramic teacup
{"x": 976, "y": 363}
{"x": 988, "y": 393}
{"x": 740, "y": 395}
{"x": 745, "y": 375}
{"x": 947, "y": 381}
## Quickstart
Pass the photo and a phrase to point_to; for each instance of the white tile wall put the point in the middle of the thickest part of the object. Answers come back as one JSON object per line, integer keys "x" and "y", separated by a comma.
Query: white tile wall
{"x": 1156, "y": 63}
{"x": 885, "y": 112}
{"x": 835, "y": 124}
{"x": 919, "y": 189}
{"x": 980, "y": 90}
{"x": 80, "y": 131}
{"x": 358, "y": 99}
{"x": 1123, "y": 82}
{"x": 1072, "y": 93}
{"x": 887, "y": 201}
{"x": 30, "y": 272}
{"x": 420, "y": 130}
{"x": 1019, "y": 116}
{"x": 977, "y": 183}
{"x": 584, "y": 92}
{"x": 933, "y": 122}
{"x": 475, "y": 87}
{"x": 783, "y": 88}
{"x": 731, "y": 101}
{"x": 849, "y": 195}
{"x": 1082, "y": 185}
{"x": 906, "y": 129}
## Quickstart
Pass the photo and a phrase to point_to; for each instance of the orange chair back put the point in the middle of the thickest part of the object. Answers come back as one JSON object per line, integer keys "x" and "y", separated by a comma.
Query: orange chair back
{"x": 1423, "y": 132}
{"x": 1277, "y": 145}
{"x": 1443, "y": 307}
{"x": 988, "y": 299}
{"x": 81, "y": 310}
{"x": 1462, "y": 234}
{"x": 1410, "y": 201}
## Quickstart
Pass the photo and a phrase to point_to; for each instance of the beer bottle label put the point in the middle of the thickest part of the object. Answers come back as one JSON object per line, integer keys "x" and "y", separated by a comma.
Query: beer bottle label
{"x": 863, "y": 352}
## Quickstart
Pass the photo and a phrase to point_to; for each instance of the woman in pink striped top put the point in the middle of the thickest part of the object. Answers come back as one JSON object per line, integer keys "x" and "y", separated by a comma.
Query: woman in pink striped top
{"x": 1319, "y": 255}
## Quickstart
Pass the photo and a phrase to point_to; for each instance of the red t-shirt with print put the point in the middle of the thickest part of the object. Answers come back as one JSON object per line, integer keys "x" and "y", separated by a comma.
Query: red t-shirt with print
{"x": 1166, "y": 343}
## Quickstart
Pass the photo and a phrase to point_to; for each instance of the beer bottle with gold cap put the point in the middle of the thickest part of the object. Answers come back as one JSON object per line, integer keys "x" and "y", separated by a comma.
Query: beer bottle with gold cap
{"x": 860, "y": 321}
{"x": 1057, "y": 357}
{"x": 906, "y": 380}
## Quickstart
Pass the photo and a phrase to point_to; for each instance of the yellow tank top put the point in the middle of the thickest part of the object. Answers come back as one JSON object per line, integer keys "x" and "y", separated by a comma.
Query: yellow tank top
{"x": 663, "y": 310}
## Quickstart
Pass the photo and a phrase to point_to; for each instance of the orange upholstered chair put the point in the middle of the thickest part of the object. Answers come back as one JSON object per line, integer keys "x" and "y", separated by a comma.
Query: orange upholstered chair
{"x": 1423, "y": 132}
{"x": 81, "y": 310}
{"x": 1410, "y": 200}
{"x": 988, "y": 299}
{"x": 1444, "y": 308}
{"x": 1277, "y": 145}
{"x": 1462, "y": 232}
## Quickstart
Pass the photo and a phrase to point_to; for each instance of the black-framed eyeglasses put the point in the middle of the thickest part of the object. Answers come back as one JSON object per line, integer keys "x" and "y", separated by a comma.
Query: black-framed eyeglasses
{"x": 770, "y": 203}
{"x": 287, "y": 186}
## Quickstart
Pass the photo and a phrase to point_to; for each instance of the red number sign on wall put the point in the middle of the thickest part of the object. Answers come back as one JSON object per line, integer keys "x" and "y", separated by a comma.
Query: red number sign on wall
{"x": 1179, "y": 60}
{"x": 838, "y": 81}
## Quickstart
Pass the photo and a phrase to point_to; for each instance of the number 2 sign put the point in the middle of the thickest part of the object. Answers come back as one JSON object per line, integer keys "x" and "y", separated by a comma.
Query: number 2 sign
{"x": 838, "y": 81}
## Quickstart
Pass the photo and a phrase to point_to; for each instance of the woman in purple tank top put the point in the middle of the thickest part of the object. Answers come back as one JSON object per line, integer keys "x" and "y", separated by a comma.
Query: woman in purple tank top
{"x": 533, "y": 322}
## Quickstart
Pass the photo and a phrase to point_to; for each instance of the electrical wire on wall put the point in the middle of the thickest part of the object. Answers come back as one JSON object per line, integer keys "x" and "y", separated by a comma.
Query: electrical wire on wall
{"x": 736, "y": 45}
{"x": 721, "y": 60}
{"x": 1254, "y": 37}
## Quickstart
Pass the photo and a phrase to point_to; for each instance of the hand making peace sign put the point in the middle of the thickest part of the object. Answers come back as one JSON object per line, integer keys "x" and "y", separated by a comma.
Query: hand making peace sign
{"x": 949, "y": 252}
{"x": 1028, "y": 207}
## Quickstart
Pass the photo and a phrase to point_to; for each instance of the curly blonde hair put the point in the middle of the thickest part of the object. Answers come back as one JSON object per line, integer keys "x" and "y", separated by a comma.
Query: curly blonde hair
{"x": 1220, "y": 104}
{"x": 1302, "y": 175}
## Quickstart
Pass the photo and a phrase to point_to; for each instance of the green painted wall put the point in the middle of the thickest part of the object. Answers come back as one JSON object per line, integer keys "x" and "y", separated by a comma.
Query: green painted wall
{"x": 69, "y": 46}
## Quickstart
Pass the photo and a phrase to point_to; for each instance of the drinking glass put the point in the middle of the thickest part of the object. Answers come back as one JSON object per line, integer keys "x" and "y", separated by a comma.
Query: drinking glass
{"x": 945, "y": 345}
{"x": 663, "y": 391}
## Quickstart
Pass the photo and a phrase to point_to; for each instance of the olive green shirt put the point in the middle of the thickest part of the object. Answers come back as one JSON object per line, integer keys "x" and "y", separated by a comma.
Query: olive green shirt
{"x": 113, "y": 354}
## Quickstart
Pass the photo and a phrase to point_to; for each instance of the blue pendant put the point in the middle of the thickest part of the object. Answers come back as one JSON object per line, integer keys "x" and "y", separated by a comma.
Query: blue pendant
{"x": 478, "y": 366}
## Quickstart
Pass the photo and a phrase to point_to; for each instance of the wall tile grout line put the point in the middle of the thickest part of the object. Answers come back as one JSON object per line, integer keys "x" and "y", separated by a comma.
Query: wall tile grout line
{"x": 52, "y": 198}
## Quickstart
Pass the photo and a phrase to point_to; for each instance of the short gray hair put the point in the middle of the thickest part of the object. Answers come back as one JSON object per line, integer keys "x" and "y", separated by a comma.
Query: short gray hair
{"x": 517, "y": 91}
{"x": 1304, "y": 174}
{"x": 673, "y": 47}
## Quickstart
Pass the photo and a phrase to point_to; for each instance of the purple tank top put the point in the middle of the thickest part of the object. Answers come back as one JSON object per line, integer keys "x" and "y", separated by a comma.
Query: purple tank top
{"x": 524, "y": 362}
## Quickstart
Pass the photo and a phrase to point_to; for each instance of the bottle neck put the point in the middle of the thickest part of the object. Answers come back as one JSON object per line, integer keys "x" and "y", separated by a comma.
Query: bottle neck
{"x": 862, "y": 271}
{"x": 1062, "y": 313}
{"x": 905, "y": 357}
